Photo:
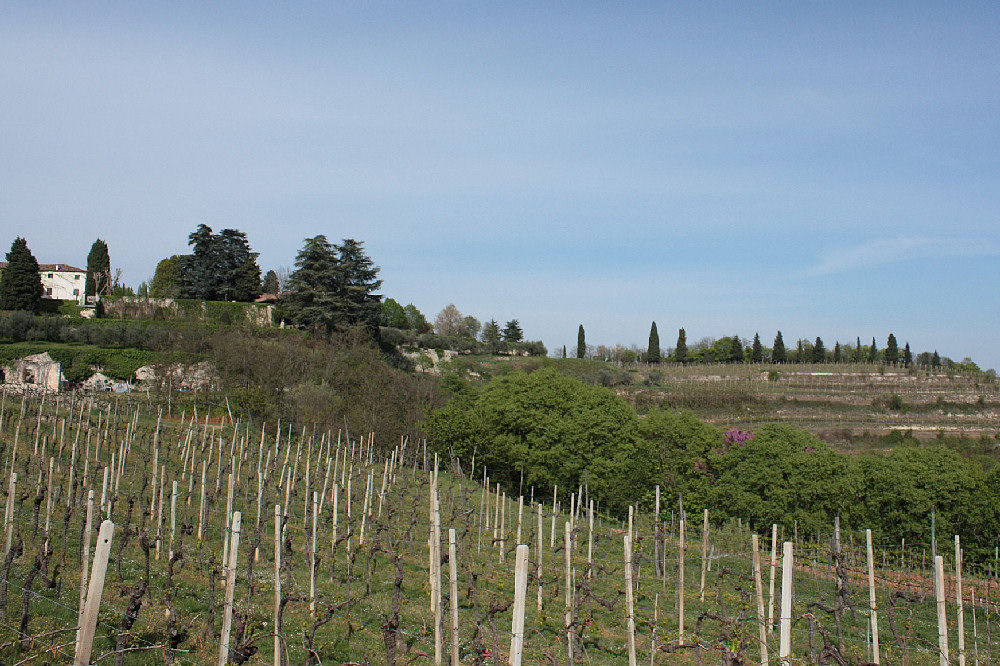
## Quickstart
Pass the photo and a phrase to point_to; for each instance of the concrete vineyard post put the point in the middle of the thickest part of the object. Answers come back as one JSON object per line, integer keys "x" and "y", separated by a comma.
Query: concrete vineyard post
{"x": 787, "y": 569}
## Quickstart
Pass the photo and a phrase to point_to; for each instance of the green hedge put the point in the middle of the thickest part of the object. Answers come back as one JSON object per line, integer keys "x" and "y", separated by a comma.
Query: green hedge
{"x": 81, "y": 361}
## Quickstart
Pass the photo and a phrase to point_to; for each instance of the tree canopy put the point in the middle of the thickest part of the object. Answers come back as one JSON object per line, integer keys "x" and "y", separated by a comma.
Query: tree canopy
{"x": 20, "y": 282}
{"x": 653, "y": 348}
{"x": 98, "y": 270}
{"x": 333, "y": 286}
{"x": 221, "y": 267}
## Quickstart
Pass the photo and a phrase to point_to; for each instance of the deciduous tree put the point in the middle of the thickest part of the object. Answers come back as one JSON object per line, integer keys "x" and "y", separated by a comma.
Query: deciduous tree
{"x": 271, "y": 284}
{"x": 449, "y": 322}
{"x": 166, "y": 278}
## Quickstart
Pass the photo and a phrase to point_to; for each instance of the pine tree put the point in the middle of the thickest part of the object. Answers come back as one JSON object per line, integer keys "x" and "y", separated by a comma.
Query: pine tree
{"x": 98, "y": 270}
{"x": 757, "y": 352}
{"x": 313, "y": 299}
{"x": 491, "y": 336}
{"x": 221, "y": 267}
{"x": 581, "y": 343}
{"x": 653, "y": 349}
{"x": 891, "y": 350}
{"x": 20, "y": 282}
{"x": 512, "y": 331}
{"x": 681, "y": 350}
{"x": 935, "y": 360}
{"x": 907, "y": 355}
{"x": 873, "y": 352}
{"x": 778, "y": 349}
{"x": 358, "y": 280}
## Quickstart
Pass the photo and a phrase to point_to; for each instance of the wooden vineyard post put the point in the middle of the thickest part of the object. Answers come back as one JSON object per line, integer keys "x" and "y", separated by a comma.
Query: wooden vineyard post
{"x": 541, "y": 556}
{"x": 173, "y": 519}
{"x": 9, "y": 514}
{"x": 680, "y": 581}
{"x": 656, "y": 533}
{"x": 704, "y": 557}
{"x": 453, "y": 579}
{"x": 277, "y": 583}
{"x": 759, "y": 585}
{"x": 629, "y": 601}
{"x": 85, "y": 560}
{"x": 227, "y": 617}
{"x": 942, "y": 615}
{"x": 88, "y": 623}
{"x": 774, "y": 562}
{"x": 960, "y": 608}
{"x": 312, "y": 557}
{"x": 520, "y": 594}
{"x": 569, "y": 594}
{"x": 656, "y": 620}
{"x": 787, "y": 569}
{"x": 590, "y": 540}
{"x": 871, "y": 597}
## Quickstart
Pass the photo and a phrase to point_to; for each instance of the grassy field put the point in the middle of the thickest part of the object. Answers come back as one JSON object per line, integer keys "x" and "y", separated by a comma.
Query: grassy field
{"x": 372, "y": 597}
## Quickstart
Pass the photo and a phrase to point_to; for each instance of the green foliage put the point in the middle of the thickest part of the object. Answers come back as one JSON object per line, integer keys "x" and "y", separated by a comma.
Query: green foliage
{"x": 784, "y": 475}
{"x": 581, "y": 343}
{"x": 98, "y": 269}
{"x": 20, "y": 282}
{"x": 333, "y": 287}
{"x": 818, "y": 351}
{"x": 681, "y": 350}
{"x": 512, "y": 331}
{"x": 891, "y": 354}
{"x": 491, "y": 336}
{"x": 757, "y": 351}
{"x": 653, "y": 348}
{"x": 778, "y": 349}
{"x": 221, "y": 268}
{"x": 166, "y": 279}
{"x": 271, "y": 284}
{"x": 393, "y": 315}
{"x": 81, "y": 361}
{"x": 557, "y": 430}
{"x": 683, "y": 444}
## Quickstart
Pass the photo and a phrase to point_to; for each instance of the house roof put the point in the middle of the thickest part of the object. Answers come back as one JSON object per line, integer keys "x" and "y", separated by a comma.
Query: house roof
{"x": 62, "y": 268}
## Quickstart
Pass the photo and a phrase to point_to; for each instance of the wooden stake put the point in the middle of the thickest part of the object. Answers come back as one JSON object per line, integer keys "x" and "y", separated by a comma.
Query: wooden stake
{"x": 942, "y": 615}
{"x": 774, "y": 562}
{"x": 569, "y": 594}
{"x": 680, "y": 581}
{"x": 704, "y": 557}
{"x": 88, "y": 624}
{"x": 453, "y": 577}
{"x": 629, "y": 601}
{"x": 759, "y": 585}
{"x": 227, "y": 617}
{"x": 277, "y": 580}
{"x": 960, "y": 607}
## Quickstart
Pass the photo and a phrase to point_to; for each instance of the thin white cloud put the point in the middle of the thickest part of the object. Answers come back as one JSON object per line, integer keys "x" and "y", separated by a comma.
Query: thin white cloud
{"x": 881, "y": 251}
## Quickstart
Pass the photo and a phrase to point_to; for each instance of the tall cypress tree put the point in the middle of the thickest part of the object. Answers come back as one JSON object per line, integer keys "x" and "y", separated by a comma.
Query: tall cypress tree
{"x": 857, "y": 350}
{"x": 757, "y": 353}
{"x": 20, "y": 283}
{"x": 818, "y": 351}
{"x": 653, "y": 350}
{"x": 581, "y": 343}
{"x": 778, "y": 349}
{"x": 98, "y": 270}
{"x": 873, "y": 352}
{"x": 837, "y": 351}
{"x": 681, "y": 351}
{"x": 891, "y": 350}
{"x": 907, "y": 355}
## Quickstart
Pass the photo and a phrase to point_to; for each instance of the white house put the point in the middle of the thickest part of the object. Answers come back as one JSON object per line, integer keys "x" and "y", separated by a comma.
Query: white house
{"x": 61, "y": 281}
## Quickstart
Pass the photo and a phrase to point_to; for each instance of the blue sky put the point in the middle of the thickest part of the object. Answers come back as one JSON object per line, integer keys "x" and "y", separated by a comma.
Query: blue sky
{"x": 826, "y": 169}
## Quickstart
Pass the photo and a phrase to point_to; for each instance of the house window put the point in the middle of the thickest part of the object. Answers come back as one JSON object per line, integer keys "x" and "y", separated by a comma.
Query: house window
{"x": 76, "y": 277}
{"x": 50, "y": 276}
{"x": 76, "y": 292}
{"x": 48, "y": 291}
